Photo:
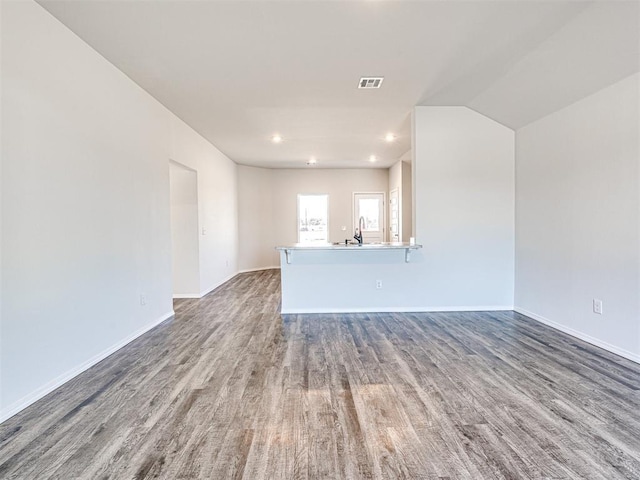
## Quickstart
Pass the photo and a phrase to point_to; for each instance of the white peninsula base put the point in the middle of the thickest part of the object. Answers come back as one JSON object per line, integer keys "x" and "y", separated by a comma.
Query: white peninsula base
{"x": 345, "y": 278}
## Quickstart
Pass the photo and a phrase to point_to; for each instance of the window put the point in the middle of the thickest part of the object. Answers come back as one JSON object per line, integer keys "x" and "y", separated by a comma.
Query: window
{"x": 369, "y": 208}
{"x": 313, "y": 218}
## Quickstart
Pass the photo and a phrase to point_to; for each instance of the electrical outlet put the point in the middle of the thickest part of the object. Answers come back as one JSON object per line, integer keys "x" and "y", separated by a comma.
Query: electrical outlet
{"x": 597, "y": 306}
{"x": 143, "y": 299}
{"x": 204, "y": 231}
{"x": 227, "y": 263}
{"x": 378, "y": 284}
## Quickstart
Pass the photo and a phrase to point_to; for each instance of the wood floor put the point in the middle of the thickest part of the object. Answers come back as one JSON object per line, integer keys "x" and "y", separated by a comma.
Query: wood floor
{"x": 231, "y": 389}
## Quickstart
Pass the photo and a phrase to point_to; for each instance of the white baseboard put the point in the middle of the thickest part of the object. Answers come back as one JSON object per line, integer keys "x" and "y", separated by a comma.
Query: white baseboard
{"x": 580, "y": 335}
{"x": 216, "y": 285}
{"x": 49, "y": 387}
{"x": 212, "y": 288}
{"x": 483, "y": 308}
{"x": 249, "y": 270}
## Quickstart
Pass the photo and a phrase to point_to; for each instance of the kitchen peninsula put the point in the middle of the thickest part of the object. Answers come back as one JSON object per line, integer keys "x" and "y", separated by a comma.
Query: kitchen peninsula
{"x": 331, "y": 278}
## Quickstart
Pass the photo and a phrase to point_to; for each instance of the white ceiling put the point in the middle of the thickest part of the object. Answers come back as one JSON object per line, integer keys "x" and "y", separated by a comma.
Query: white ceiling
{"x": 240, "y": 71}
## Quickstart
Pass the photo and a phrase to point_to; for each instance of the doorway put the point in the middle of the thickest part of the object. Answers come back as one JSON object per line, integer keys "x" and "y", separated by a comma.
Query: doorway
{"x": 370, "y": 207}
{"x": 183, "y": 187}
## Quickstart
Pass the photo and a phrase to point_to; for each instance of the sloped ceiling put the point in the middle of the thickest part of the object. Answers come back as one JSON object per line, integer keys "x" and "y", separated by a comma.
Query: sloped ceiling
{"x": 240, "y": 71}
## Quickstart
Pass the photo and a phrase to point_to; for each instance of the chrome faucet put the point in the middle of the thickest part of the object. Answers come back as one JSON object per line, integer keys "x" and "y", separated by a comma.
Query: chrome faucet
{"x": 358, "y": 235}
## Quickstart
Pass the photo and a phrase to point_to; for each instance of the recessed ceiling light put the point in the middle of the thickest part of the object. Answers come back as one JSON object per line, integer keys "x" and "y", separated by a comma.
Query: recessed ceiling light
{"x": 276, "y": 138}
{"x": 389, "y": 137}
{"x": 372, "y": 158}
{"x": 312, "y": 161}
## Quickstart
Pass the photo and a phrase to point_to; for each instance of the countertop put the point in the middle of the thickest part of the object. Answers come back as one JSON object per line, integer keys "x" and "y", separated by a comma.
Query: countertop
{"x": 351, "y": 246}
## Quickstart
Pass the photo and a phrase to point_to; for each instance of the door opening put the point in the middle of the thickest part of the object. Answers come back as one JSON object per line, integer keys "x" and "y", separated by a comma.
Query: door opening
{"x": 370, "y": 207}
{"x": 185, "y": 247}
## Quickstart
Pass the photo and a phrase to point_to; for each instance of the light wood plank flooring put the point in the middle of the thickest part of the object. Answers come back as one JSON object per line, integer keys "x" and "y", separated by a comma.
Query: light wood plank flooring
{"x": 231, "y": 389}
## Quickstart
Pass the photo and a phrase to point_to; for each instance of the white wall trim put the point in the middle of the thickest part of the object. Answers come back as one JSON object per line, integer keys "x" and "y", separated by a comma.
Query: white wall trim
{"x": 49, "y": 387}
{"x": 483, "y": 308}
{"x": 580, "y": 335}
{"x": 216, "y": 285}
{"x": 230, "y": 277}
{"x": 186, "y": 295}
{"x": 249, "y": 270}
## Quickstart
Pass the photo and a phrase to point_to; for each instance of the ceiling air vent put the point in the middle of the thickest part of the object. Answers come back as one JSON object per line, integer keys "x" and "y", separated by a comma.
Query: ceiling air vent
{"x": 370, "y": 82}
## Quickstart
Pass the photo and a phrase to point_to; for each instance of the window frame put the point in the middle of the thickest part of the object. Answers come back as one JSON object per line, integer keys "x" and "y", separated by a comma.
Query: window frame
{"x": 298, "y": 223}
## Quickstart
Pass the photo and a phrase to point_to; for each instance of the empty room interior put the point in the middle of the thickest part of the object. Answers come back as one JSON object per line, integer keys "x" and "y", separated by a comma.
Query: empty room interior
{"x": 277, "y": 239}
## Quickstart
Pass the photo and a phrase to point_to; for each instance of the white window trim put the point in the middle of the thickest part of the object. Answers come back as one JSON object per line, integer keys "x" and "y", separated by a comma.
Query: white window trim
{"x": 298, "y": 211}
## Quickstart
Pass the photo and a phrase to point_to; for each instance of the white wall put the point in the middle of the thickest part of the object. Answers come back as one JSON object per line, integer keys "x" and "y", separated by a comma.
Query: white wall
{"x": 1, "y": 196}
{"x": 338, "y": 183}
{"x": 578, "y": 218}
{"x": 277, "y": 222}
{"x": 85, "y": 206}
{"x": 217, "y": 203}
{"x": 256, "y": 219}
{"x": 185, "y": 258}
{"x": 463, "y": 173}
